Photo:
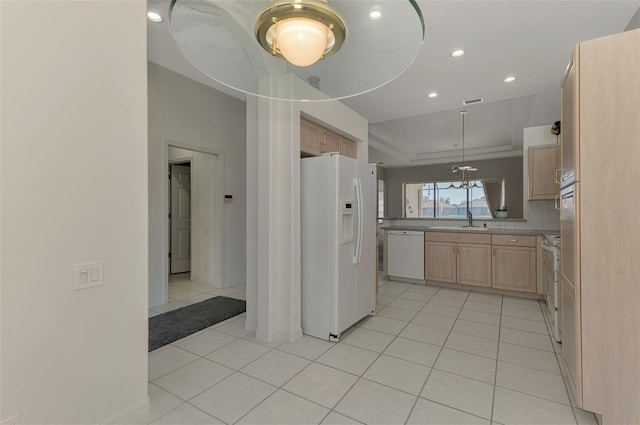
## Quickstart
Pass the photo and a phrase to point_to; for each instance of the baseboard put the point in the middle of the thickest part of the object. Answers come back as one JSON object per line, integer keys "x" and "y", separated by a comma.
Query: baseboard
{"x": 292, "y": 337}
{"x": 280, "y": 336}
{"x": 129, "y": 413}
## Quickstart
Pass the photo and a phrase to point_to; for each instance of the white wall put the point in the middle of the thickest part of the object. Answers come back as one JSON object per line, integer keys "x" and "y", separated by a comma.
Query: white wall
{"x": 205, "y": 215}
{"x": 188, "y": 114}
{"x": 273, "y": 209}
{"x": 539, "y": 214}
{"x": 73, "y": 190}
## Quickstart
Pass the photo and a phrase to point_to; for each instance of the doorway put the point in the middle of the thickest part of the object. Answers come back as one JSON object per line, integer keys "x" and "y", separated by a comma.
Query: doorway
{"x": 194, "y": 233}
{"x": 179, "y": 217}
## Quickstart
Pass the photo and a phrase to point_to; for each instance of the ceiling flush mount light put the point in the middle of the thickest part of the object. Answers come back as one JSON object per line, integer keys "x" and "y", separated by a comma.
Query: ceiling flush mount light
{"x": 463, "y": 169}
{"x": 271, "y": 48}
{"x": 432, "y": 95}
{"x": 300, "y": 31}
{"x": 154, "y": 16}
{"x": 510, "y": 79}
{"x": 457, "y": 53}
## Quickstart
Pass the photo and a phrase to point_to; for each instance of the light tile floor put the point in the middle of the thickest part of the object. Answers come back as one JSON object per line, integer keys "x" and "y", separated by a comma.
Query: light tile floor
{"x": 183, "y": 292}
{"x": 430, "y": 356}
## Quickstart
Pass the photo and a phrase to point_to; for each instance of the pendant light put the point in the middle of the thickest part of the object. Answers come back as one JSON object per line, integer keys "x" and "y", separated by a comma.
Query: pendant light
{"x": 272, "y": 48}
{"x": 464, "y": 182}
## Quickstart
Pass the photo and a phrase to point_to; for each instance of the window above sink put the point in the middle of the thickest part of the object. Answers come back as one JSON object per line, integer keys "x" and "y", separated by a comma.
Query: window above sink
{"x": 437, "y": 199}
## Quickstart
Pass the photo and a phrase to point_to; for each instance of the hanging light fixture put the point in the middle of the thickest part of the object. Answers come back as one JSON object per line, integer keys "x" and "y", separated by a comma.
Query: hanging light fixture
{"x": 300, "y": 31}
{"x": 463, "y": 169}
{"x": 272, "y": 48}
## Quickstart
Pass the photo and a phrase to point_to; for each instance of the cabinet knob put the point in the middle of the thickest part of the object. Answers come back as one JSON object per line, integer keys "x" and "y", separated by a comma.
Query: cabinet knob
{"x": 513, "y": 240}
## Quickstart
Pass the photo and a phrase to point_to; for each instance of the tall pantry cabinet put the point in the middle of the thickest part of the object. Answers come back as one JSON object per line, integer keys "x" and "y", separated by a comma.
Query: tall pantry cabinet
{"x": 600, "y": 226}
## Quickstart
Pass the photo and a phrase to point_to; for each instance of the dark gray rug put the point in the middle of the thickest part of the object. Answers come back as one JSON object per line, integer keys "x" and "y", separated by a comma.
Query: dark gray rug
{"x": 173, "y": 325}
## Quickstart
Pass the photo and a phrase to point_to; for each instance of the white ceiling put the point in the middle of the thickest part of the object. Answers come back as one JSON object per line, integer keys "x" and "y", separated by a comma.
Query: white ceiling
{"x": 532, "y": 40}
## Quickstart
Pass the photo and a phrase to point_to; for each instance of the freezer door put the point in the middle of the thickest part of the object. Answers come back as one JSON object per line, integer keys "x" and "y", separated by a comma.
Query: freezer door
{"x": 366, "y": 252}
{"x": 344, "y": 289}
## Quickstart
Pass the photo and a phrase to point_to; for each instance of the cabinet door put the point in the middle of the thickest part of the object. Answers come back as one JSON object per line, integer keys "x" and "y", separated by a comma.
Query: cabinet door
{"x": 440, "y": 261}
{"x": 569, "y": 225}
{"x": 474, "y": 264}
{"x": 569, "y": 135}
{"x": 571, "y": 338}
{"x": 330, "y": 141}
{"x": 514, "y": 268}
{"x": 310, "y": 138}
{"x": 349, "y": 148}
{"x": 543, "y": 163}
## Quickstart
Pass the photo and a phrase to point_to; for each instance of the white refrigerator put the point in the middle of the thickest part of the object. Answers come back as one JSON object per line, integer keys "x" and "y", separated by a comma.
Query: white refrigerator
{"x": 338, "y": 244}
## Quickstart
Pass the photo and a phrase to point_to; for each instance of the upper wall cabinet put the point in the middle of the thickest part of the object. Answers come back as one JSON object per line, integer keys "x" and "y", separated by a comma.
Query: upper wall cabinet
{"x": 544, "y": 160}
{"x": 316, "y": 140}
{"x": 310, "y": 138}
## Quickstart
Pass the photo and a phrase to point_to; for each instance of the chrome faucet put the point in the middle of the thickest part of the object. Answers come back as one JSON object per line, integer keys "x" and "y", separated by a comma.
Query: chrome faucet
{"x": 470, "y": 217}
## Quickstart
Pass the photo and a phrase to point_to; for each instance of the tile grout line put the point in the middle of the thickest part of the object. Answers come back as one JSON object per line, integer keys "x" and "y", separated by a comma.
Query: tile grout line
{"x": 314, "y": 361}
{"x": 380, "y": 354}
{"x": 435, "y": 361}
{"x": 495, "y": 376}
{"x": 564, "y": 381}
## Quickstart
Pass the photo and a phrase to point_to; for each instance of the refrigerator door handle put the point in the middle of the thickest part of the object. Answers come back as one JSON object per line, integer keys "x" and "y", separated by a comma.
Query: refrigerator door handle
{"x": 358, "y": 248}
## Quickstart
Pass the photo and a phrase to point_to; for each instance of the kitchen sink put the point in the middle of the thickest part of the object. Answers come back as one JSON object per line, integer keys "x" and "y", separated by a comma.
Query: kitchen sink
{"x": 468, "y": 229}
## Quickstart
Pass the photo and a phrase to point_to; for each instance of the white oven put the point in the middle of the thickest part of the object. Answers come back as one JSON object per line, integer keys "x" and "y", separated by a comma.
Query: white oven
{"x": 551, "y": 246}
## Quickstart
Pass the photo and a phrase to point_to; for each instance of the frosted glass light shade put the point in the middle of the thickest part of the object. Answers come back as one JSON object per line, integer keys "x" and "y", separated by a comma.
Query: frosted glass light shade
{"x": 219, "y": 38}
{"x": 301, "y": 41}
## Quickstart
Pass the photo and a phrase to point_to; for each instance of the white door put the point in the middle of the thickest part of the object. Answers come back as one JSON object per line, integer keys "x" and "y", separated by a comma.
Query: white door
{"x": 180, "y": 219}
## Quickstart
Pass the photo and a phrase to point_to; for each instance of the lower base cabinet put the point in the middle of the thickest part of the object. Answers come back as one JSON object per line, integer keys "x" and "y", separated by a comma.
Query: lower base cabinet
{"x": 490, "y": 260}
{"x": 514, "y": 263}
{"x": 458, "y": 258}
{"x": 514, "y": 268}
{"x": 474, "y": 265}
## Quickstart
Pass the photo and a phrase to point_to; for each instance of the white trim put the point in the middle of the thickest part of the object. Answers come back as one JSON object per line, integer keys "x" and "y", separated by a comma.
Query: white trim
{"x": 218, "y": 206}
{"x": 127, "y": 415}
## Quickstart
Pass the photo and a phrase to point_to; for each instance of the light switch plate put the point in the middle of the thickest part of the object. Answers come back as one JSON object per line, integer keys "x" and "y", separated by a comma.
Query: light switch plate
{"x": 87, "y": 275}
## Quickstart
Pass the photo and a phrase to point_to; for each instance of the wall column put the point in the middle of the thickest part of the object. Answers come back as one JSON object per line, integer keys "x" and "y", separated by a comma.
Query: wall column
{"x": 273, "y": 219}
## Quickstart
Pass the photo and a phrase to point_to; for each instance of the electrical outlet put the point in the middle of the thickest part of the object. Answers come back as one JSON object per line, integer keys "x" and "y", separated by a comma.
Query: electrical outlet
{"x": 14, "y": 420}
{"x": 87, "y": 275}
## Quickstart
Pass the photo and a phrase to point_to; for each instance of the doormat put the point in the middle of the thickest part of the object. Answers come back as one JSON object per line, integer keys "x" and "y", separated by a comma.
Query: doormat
{"x": 168, "y": 327}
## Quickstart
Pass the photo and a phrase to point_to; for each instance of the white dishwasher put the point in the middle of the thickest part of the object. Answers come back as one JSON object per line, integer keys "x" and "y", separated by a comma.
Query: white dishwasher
{"x": 405, "y": 254}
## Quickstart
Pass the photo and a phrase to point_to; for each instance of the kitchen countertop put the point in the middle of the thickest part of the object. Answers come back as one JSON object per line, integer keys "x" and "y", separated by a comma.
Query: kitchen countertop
{"x": 532, "y": 232}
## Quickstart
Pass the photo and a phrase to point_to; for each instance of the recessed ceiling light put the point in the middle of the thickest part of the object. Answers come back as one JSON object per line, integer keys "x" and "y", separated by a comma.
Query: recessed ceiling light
{"x": 510, "y": 79}
{"x": 457, "y": 53}
{"x": 375, "y": 15}
{"x": 432, "y": 95}
{"x": 154, "y": 16}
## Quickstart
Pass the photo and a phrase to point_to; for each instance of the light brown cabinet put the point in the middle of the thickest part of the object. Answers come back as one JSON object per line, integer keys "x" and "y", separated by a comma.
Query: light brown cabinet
{"x": 544, "y": 160}
{"x": 330, "y": 141}
{"x": 599, "y": 211}
{"x": 514, "y": 263}
{"x": 458, "y": 258}
{"x": 349, "y": 148}
{"x": 316, "y": 140}
{"x": 569, "y": 113}
{"x": 310, "y": 138}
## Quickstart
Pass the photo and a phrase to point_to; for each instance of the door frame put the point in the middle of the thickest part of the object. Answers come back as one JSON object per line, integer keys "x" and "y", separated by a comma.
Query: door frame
{"x": 218, "y": 227}
{"x": 178, "y": 161}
